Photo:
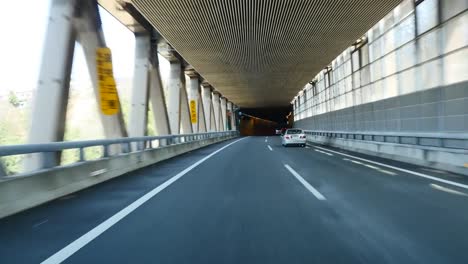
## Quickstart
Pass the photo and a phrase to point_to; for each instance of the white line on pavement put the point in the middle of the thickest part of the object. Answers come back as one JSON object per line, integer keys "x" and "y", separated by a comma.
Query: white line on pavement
{"x": 270, "y": 148}
{"x": 82, "y": 241}
{"x": 371, "y": 167}
{"x": 323, "y": 152}
{"x": 387, "y": 172}
{"x": 40, "y": 223}
{"x": 448, "y": 190}
{"x": 464, "y": 186}
{"x": 309, "y": 187}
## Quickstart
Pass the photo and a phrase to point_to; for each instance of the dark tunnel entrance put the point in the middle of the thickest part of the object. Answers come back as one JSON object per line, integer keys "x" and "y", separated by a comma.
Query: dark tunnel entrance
{"x": 264, "y": 121}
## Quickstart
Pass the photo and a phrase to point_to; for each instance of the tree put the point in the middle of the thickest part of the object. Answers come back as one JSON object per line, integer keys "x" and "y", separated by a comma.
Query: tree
{"x": 13, "y": 99}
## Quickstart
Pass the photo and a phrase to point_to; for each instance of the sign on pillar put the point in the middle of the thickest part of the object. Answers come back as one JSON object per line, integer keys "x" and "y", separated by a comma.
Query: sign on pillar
{"x": 108, "y": 97}
{"x": 193, "y": 111}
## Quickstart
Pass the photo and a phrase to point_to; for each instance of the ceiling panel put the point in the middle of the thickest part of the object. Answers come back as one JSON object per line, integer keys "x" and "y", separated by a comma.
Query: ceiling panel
{"x": 260, "y": 53}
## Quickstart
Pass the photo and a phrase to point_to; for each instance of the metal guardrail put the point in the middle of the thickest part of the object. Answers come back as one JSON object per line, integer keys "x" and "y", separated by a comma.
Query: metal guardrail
{"x": 127, "y": 145}
{"x": 444, "y": 140}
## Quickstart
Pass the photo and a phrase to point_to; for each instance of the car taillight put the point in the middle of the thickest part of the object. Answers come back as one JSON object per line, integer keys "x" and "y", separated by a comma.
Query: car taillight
{"x": 303, "y": 136}
{"x": 286, "y": 137}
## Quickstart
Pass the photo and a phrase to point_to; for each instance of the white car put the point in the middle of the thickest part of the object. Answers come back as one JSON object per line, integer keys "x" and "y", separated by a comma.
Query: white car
{"x": 293, "y": 136}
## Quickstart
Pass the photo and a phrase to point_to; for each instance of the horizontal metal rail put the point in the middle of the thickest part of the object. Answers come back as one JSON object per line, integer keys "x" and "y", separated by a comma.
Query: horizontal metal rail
{"x": 445, "y": 140}
{"x": 128, "y": 145}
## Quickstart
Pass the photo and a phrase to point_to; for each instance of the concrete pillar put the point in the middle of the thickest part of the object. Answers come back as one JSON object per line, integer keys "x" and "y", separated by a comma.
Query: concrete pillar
{"x": 173, "y": 92}
{"x": 217, "y": 110}
{"x": 201, "y": 117}
{"x": 91, "y": 37}
{"x": 223, "y": 119}
{"x": 158, "y": 102}
{"x": 212, "y": 120}
{"x": 139, "y": 107}
{"x": 192, "y": 85}
{"x": 230, "y": 116}
{"x": 51, "y": 97}
{"x": 185, "y": 124}
{"x": 234, "y": 116}
{"x": 207, "y": 105}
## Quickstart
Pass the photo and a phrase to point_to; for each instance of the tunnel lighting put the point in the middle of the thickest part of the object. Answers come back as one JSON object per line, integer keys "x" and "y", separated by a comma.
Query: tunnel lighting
{"x": 360, "y": 42}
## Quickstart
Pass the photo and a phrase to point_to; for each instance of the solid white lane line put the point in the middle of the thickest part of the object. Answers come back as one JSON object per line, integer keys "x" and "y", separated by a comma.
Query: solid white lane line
{"x": 387, "y": 172}
{"x": 372, "y": 167}
{"x": 448, "y": 190}
{"x": 309, "y": 187}
{"x": 82, "y": 241}
{"x": 270, "y": 148}
{"x": 323, "y": 152}
{"x": 464, "y": 186}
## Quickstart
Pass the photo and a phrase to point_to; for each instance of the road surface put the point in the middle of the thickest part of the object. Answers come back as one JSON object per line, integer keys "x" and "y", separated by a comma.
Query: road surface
{"x": 252, "y": 201}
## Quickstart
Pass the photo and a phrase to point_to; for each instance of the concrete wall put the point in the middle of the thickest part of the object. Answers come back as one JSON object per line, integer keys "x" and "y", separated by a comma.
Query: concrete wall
{"x": 411, "y": 75}
{"x": 408, "y": 75}
{"x": 442, "y": 109}
{"x": 453, "y": 160}
{"x": 21, "y": 193}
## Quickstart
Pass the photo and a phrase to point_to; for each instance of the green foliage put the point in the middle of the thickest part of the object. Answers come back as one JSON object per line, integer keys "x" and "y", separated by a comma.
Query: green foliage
{"x": 82, "y": 123}
{"x": 11, "y": 134}
{"x": 13, "y": 99}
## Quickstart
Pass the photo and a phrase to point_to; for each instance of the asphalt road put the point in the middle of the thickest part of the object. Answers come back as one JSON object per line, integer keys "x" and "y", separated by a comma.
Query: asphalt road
{"x": 252, "y": 201}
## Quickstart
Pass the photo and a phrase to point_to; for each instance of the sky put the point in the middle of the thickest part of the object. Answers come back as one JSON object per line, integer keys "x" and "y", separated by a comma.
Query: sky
{"x": 23, "y": 32}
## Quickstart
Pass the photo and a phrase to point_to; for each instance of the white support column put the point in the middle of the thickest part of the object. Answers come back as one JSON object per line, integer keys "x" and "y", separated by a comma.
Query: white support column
{"x": 230, "y": 116}
{"x": 139, "y": 107}
{"x": 158, "y": 101}
{"x": 193, "y": 95}
{"x": 173, "y": 91}
{"x": 234, "y": 116}
{"x": 207, "y": 105}
{"x": 91, "y": 37}
{"x": 185, "y": 124}
{"x": 217, "y": 110}
{"x": 201, "y": 117}
{"x": 51, "y": 97}
{"x": 223, "y": 122}
{"x": 212, "y": 120}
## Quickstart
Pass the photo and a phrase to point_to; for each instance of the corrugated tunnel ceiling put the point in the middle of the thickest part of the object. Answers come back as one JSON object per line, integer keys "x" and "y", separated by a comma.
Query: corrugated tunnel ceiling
{"x": 260, "y": 53}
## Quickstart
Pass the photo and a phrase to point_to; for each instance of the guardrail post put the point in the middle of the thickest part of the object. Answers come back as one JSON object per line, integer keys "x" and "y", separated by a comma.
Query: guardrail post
{"x": 2, "y": 171}
{"x": 105, "y": 150}
{"x": 82, "y": 154}
{"x": 125, "y": 147}
{"x": 49, "y": 160}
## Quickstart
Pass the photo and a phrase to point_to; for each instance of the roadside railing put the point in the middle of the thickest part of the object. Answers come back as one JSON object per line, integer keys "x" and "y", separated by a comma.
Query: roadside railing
{"x": 443, "y": 140}
{"x": 47, "y": 152}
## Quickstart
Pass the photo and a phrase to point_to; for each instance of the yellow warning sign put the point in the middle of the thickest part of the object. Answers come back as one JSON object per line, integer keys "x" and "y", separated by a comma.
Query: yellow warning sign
{"x": 109, "y": 99}
{"x": 193, "y": 111}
